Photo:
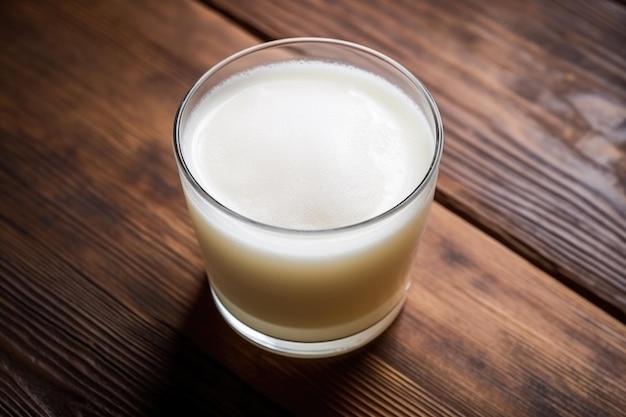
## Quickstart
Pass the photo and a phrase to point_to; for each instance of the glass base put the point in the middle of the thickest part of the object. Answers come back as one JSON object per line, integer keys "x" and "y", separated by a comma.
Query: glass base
{"x": 309, "y": 349}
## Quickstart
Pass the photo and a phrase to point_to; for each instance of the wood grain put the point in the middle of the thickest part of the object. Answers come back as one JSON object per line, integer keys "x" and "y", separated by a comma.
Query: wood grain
{"x": 483, "y": 336}
{"x": 533, "y": 97}
{"x": 98, "y": 264}
{"x": 104, "y": 305}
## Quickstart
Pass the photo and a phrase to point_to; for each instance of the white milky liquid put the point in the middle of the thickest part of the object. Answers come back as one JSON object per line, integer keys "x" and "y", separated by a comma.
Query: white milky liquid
{"x": 308, "y": 146}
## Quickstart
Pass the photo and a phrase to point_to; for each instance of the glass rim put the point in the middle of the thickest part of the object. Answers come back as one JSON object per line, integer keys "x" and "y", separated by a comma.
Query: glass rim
{"x": 432, "y": 106}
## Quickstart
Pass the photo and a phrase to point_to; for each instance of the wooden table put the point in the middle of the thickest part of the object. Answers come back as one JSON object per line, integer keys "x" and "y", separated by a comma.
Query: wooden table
{"x": 518, "y": 301}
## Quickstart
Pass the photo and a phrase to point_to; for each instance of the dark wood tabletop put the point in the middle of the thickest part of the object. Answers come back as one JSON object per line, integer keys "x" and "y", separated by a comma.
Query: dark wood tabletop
{"x": 518, "y": 302}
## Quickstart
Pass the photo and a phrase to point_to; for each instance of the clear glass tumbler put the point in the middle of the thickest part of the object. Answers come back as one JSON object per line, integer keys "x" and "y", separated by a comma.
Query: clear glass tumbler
{"x": 295, "y": 290}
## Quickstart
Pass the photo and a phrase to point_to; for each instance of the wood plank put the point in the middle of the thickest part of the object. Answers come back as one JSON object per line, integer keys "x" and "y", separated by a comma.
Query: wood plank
{"x": 476, "y": 337}
{"x": 533, "y": 97}
{"x": 94, "y": 236}
{"x": 104, "y": 308}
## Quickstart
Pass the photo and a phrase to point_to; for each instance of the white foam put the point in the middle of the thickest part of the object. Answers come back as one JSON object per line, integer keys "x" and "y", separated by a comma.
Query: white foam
{"x": 309, "y": 145}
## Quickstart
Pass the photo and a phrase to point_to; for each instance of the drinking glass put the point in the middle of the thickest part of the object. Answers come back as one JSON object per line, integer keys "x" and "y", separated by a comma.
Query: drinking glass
{"x": 301, "y": 292}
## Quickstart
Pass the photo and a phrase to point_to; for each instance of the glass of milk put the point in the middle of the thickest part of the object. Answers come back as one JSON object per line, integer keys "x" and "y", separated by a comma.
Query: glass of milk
{"x": 309, "y": 166}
